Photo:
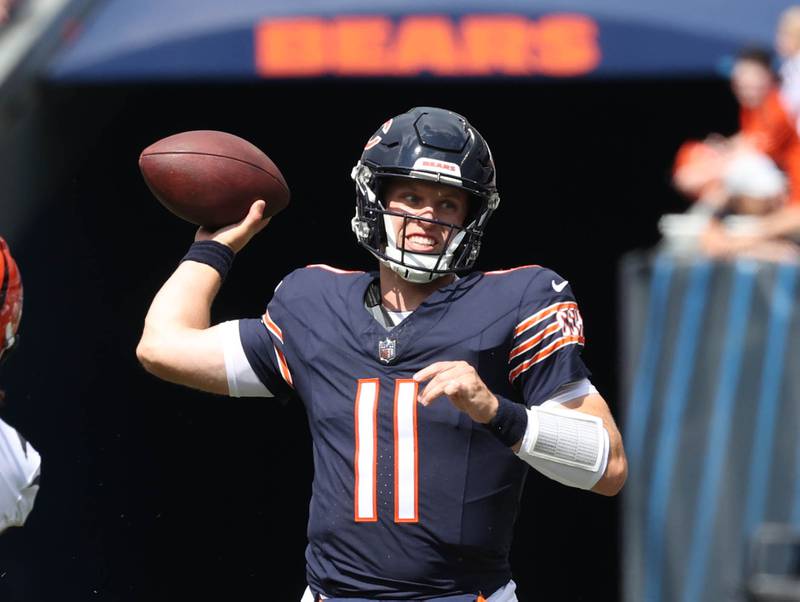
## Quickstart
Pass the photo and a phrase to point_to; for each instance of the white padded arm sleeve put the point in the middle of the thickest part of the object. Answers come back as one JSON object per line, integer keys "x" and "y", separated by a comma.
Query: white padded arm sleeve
{"x": 242, "y": 379}
{"x": 19, "y": 468}
{"x": 566, "y": 445}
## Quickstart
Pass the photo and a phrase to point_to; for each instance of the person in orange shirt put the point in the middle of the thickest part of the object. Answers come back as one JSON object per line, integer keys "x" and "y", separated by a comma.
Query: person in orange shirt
{"x": 765, "y": 127}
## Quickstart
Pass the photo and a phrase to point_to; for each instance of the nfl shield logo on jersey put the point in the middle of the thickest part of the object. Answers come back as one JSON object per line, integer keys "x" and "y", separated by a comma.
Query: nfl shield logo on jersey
{"x": 386, "y": 349}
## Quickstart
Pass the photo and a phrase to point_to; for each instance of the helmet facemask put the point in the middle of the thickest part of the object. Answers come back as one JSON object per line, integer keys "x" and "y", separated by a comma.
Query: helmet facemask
{"x": 376, "y": 231}
{"x": 437, "y": 146}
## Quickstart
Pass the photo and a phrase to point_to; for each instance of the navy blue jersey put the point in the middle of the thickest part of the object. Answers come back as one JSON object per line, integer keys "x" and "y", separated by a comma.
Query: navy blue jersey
{"x": 412, "y": 502}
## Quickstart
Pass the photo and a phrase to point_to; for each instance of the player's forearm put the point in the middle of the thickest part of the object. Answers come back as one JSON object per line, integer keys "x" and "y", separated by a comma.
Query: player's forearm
{"x": 616, "y": 472}
{"x": 784, "y": 222}
{"x": 185, "y": 299}
{"x": 575, "y": 443}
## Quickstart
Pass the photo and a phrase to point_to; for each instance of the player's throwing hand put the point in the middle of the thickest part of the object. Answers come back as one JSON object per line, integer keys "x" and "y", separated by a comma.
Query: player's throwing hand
{"x": 461, "y": 384}
{"x": 236, "y": 236}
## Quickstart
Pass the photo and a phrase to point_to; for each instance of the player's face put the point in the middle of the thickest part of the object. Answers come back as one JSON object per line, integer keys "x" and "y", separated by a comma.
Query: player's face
{"x": 427, "y": 200}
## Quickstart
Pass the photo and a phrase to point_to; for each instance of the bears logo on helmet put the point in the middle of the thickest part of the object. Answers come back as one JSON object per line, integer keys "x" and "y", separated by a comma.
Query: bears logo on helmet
{"x": 430, "y": 144}
{"x": 10, "y": 299}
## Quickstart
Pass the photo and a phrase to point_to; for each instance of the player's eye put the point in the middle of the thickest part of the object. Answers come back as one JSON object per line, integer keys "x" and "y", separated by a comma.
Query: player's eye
{"x": 451, "y": 206}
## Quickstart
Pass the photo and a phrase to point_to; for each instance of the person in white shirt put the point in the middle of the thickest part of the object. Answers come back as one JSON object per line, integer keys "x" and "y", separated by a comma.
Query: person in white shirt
{"x": 787, "y": 45}
{"x": 20, "y": 463}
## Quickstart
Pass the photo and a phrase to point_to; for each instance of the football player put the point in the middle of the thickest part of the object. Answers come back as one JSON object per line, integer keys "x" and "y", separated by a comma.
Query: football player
{"x": 430, "y": 388}
{"x": 20, "y": 464}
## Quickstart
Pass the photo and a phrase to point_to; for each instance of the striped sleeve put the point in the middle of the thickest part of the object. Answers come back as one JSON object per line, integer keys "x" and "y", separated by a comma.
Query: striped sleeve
{"x": 277, "y": 346}
{"x": 547, "y": 340}
{"x": 265, "y": 343}
{"x": 242, "y": 379}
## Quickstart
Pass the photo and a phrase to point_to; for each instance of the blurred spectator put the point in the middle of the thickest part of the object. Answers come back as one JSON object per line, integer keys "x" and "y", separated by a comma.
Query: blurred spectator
{"x": 753, "y": 184}
{"x": 7, "y": 8}
{"x": 739, "y": 176}
{"x": 764, "y": 123}
{"x": 787, "y": 45}
{"x": 755, "y": 189}
{"x": 697, "y": 171}
{"x": 723, "y": 176}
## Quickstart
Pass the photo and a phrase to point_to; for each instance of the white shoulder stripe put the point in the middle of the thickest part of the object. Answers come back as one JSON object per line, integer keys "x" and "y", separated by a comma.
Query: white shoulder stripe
{"x": 572, "y": 390}
{"x": 242, "y": 379}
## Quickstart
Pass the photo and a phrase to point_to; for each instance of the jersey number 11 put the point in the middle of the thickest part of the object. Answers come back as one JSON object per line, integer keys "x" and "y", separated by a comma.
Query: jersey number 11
{"x": 406, "y": 453}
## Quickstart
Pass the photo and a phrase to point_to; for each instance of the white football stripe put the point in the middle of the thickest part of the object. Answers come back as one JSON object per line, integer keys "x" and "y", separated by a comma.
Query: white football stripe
{"x": 366, "y": 452}
{"x": 406, "y": 456}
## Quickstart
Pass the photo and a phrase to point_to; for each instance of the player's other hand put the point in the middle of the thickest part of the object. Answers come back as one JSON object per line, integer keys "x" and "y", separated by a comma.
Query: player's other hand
{"x": 461, "y": 384}
{"x": 237, "y": 235}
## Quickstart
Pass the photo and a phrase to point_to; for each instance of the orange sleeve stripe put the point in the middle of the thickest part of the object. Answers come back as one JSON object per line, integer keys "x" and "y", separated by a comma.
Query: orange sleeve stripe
{"x": 540, "y": 315}
{"x": 272, "y": 327}
{"x": 533, "y": 341}
{"x": 284, "y": 367}
{"x": 543, "y": 354}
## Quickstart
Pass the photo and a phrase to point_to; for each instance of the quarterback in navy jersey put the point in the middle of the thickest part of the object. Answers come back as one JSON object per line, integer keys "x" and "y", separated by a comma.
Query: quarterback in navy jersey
{"x": 430, "y": 389}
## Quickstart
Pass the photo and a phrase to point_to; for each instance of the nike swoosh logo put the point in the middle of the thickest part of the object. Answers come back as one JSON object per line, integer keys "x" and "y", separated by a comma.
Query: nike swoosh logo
{"x": 558, "y": 287}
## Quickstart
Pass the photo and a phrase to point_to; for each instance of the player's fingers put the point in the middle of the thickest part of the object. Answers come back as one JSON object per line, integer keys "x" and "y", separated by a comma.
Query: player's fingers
{"x": 257, "y": 209}
{"x": 462, "y": 369}
{"x": 453, "y": 388}
{"x": 456, "y": 390}
{"x": 431, "y": 371}
{"x": 431, "y": 391}
{"x": 238, "y": 235}
{"x": 438, "y": 384}
{"x": 441, "y": 373}
{"x": 255, "y": 217}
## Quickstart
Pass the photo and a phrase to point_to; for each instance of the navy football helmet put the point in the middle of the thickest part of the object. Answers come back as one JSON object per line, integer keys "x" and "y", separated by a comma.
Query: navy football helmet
{"x": 435, "y": 145}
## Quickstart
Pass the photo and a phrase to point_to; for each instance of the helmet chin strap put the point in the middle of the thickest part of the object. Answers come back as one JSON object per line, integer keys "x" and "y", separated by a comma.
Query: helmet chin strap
{"x": 405, "y": 263}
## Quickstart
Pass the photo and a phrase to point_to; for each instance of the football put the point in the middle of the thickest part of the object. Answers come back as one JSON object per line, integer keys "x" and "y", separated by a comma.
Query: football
{"x": 211, "y": 178}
